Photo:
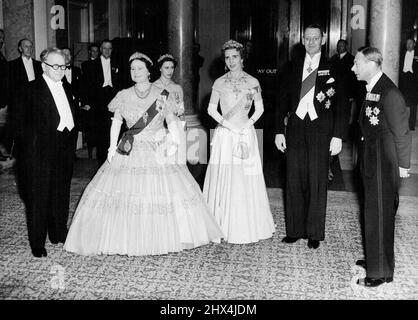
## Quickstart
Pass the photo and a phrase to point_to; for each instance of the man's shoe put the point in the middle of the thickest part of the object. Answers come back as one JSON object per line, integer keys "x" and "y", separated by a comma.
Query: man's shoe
{"x": 39, "y": 252}
{"x": 361, "y": 263}
{"x": 371, "y": 282}
{"x": 58, "y": 241}
{"x": 288, "y": 239}
{"x": 313, "y": 243}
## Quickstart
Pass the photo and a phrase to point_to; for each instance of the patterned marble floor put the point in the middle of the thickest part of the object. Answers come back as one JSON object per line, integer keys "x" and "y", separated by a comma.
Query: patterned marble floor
{"x": 266, "y": 270}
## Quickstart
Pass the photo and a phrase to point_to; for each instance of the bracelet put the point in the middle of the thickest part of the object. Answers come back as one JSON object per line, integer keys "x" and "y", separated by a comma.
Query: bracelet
{"x": 222, "y": 122}
{"x": 252, "y": 120}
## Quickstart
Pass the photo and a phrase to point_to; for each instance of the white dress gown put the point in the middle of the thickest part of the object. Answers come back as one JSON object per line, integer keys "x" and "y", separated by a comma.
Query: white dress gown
{"x": 141, "y": 204}
{"x": 234, "y": 187}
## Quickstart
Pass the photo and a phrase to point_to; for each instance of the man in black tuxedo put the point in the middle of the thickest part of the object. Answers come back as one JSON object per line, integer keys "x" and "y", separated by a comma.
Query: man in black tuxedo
{"x": 73, "y": 78}
{"x": 408, "y": 80}
{"x": 22, "y": 71}
{"x": 102, "y": 79}
{"x": 50, "y": 142}
{"x": 94, "y": 53}
{"x": 308, "y": 98}
{"x": 87, "y": 118}
{"x": 383, "y": 121}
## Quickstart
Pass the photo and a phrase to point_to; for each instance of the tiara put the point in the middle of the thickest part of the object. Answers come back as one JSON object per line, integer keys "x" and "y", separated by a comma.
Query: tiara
{"x": 165, "y": 56}
{"x": 232, "y": 44}
{"x": 138, "y": 55}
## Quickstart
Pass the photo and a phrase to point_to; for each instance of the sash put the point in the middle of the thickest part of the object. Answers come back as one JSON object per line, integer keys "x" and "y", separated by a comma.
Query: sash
{"x": 249, "y": 97}
{"x": 308, "y": 84}
{"x": 126, "y": 142}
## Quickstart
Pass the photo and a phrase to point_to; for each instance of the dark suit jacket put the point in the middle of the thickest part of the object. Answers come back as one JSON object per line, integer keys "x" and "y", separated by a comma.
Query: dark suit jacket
{"x": 76, "y": 84}
{"x": 387, "y": 120}
{"x": 41, "y": 129}
{"x": 18, "y": 80}
{"x": 408, "y": 82}
{"x": 345, "y": 77}
{"x": 17, "y": 73}
{"x": 76, "y": 89}
{"x": 85, "y": 74}
{"x": 93, "y": 79}
{"x": 330, "y": 118}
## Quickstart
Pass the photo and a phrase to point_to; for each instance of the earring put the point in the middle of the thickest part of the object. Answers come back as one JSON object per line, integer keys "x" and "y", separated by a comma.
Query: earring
{"x": 226, "y": 68}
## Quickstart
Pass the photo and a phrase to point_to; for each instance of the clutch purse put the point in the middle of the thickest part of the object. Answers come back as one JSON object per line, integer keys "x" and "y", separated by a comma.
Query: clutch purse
{"x": 241, "y": 150}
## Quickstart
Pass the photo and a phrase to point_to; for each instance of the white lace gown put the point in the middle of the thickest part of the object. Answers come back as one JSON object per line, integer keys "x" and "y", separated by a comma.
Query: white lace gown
{"x": 141, "y": 204}
{"x": 235, "y": 188}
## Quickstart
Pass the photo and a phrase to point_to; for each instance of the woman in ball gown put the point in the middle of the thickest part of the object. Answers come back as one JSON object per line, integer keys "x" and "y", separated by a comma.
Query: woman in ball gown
{"x": 234, "y": 184}
{"x": 166, "y": 65}
{"x": 138, "y": 203}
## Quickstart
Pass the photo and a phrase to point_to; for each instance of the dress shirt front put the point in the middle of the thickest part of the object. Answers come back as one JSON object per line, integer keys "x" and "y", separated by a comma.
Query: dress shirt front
{"x": 306, "y": 104}
{"x": 107, "y": 74}
{"x": 343, "y": 54}
{"x": 407, "y": 64}
{"x": 28, "y": 63}
{"x": 61, "y": 101}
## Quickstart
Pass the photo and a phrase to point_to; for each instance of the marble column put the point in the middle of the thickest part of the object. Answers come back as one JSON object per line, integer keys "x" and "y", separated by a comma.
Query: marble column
{"x": 181, "y": 27}
{"x": 1, "y": 15}
{"x": 18, "y": 23}
{"x": 385, "y": 33}
{"x": 180, "y": 44}
{"x": 295, "y": 31}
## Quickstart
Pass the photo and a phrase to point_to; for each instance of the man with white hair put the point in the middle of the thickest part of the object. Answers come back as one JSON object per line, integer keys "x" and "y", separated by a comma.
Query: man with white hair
{"x": 383, "y": 121}
{"x": 50, "y": 143}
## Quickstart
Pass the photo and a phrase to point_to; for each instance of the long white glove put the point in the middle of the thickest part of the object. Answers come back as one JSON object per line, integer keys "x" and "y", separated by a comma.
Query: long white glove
{"x": 259, "y": 110}
{"x": 174, "y": 131}
{"x": 114, "y": 134}
{"x": 212, "y": 111}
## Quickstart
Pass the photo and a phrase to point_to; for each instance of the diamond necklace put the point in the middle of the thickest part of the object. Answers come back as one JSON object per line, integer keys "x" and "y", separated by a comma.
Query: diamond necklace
{"x": 235, "y": 82}
{"x": 142, "y": 94}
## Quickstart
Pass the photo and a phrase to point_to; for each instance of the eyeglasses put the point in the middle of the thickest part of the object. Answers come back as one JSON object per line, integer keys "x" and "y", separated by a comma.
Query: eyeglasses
{"x": 56, "y": 66}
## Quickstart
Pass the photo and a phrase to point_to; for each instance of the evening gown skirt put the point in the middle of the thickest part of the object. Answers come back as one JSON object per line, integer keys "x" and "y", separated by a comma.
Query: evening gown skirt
{"x": 235, "y": 188}
{"x": 140, "y": 205}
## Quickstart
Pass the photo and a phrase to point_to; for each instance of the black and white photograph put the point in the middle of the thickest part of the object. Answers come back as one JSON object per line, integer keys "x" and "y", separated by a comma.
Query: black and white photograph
{"x": 209, "y": 156}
